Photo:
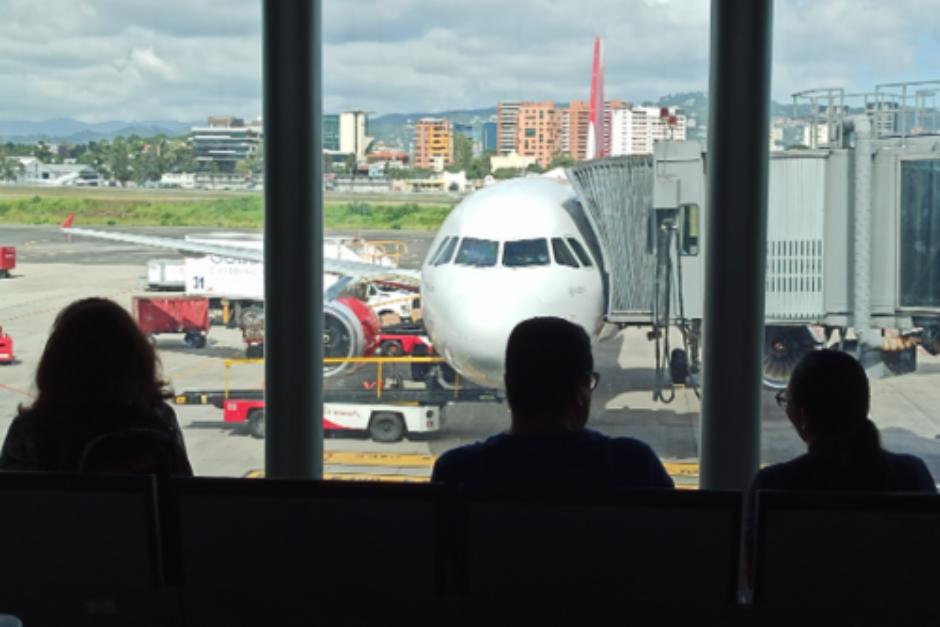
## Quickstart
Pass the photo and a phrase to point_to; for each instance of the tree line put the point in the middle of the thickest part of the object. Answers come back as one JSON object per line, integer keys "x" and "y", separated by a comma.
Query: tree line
{"x": 123, "y": 159}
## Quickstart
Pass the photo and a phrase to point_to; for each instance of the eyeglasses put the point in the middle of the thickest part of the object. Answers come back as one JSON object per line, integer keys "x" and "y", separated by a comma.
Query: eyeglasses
{"x": 595, "y": 379}
{"x": 782, "y": 398}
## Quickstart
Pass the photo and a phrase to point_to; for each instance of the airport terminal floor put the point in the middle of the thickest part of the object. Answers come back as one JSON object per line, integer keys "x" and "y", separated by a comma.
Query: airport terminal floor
{"x": 53, "y": 271}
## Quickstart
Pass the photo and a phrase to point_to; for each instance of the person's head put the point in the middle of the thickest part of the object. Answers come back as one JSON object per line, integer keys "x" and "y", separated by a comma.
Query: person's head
{"x": 549, "y": 375}
{"x": 96, "y": 355}
{"x": 828, "y": 397}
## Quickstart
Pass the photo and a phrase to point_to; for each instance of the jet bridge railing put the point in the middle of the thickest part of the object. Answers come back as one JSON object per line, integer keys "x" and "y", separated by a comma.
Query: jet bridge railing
{"x": 617, "y": 196}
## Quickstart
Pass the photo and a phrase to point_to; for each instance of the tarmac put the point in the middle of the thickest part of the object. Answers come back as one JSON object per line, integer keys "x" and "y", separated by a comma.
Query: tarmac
{"x": 52, "y": 272}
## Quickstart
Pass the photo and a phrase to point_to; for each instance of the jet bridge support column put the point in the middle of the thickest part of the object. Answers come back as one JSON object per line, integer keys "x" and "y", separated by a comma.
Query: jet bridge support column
{"x": 293, "y": 239}
{"x": 735, "y": 261}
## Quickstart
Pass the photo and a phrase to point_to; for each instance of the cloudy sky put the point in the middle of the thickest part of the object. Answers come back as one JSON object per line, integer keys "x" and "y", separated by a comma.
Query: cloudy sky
{"x": 99, "y": 60}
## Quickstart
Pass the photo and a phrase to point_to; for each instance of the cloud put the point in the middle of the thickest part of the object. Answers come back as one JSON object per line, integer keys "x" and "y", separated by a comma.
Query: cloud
{"x": 121, "y": 59}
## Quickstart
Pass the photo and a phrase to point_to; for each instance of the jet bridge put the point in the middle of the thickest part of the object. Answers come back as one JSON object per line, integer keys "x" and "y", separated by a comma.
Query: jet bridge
{"x": 649, "y": 215}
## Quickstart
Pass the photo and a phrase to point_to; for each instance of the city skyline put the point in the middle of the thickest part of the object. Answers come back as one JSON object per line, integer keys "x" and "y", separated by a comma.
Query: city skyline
{"x": 106, "y": 60}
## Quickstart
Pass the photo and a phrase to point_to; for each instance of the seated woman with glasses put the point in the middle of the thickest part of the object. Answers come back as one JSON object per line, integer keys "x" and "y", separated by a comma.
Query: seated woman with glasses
{"x": 827, "y": 401}
{"x": 549, "y": 379}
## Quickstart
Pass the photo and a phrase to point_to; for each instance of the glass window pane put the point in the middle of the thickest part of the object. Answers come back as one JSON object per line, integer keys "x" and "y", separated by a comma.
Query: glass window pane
{"x": 920, "y": 233}
{"x": 437, "y": 253}
{"x": 477, "y": 252}
{"x": 563, "y": 256}
{"x": 583, "y": 257}
{"x": 447, "y": 253}
{"x": 526, "y": 252}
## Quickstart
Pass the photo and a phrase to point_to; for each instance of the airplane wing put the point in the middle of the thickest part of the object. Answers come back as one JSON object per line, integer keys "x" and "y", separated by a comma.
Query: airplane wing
{"x": 334, "y": 266}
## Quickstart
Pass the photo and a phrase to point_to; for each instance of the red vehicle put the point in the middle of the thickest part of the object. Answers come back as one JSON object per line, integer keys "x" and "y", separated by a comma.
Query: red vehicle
{"x": 398, "y": 340}
{"x": 7, "y": 261}
{"x": 6, "y": 348}
{"x": 181, "y": 314}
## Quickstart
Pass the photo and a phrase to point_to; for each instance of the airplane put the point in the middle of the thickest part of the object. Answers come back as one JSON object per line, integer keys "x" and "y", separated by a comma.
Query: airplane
{"x": 517, "y": 249}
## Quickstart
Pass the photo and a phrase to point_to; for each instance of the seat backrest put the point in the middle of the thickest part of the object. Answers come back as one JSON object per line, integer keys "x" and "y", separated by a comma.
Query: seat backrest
{"x": 71, "y": 531}
{"x": 325, "y": 538}
{"x": 653, "y": 547}
{"x": 846, "y": 550}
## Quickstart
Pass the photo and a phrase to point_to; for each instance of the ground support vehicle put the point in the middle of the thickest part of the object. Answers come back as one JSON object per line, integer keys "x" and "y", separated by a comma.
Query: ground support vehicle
{"x": 188, "y": 315}
{"x": 6, "y": 348}
{"x": 388, "y": 412}
{"x": 7, "y": 261}
{"x": 404, "y": 339}
{"x": 166, "y": 275}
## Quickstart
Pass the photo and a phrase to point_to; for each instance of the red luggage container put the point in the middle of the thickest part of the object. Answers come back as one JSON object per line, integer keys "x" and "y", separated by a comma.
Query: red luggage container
{"x": 184, "y": 314}
{"x": 7, "y": 260}
{"x": 6, "y": 348}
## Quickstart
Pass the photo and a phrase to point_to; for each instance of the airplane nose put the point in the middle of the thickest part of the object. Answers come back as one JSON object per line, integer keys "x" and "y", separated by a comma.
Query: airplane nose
{"x": 471, "y": 333}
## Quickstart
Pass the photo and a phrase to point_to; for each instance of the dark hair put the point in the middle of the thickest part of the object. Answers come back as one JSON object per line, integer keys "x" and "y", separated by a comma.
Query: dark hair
{"x": 832, "y": 388}
{"x": 545, "y": 360}
{"x": 96, "y": 355}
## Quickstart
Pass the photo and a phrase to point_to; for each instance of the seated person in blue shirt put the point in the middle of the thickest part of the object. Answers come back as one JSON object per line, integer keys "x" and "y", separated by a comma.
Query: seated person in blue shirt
{"x": 549, "y": 377}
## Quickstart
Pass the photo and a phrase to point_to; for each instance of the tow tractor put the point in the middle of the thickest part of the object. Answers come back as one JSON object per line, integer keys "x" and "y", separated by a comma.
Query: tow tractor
{"x": 387, "y": 408}
{"x": 6, "y": 348}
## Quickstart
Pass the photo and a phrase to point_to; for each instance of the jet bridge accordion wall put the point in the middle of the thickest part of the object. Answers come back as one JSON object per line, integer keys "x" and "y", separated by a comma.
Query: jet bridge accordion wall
{"x": 617, "y": 194}
{"x": 795, "y": 234}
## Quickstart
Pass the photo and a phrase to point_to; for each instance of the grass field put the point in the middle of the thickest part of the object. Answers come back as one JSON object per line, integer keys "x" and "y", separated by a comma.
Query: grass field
{"x": 135, "y": 207}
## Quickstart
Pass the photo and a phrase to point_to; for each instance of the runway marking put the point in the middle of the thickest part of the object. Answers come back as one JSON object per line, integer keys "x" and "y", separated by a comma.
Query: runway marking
{"x": 681, "y": 469}
{"x": 25, "y": 393}
{"x": 257, "y": 473}
{"x": 365, "y": 458}
{"x": 686, "y": 473}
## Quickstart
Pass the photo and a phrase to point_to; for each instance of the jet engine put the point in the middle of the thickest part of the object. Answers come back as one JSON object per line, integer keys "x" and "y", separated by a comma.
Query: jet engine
{"x": 350, "y": 329}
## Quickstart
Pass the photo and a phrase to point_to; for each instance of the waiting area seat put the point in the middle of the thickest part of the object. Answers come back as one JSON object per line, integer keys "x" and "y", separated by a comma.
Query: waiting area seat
{"x": 80, "y": 545}
{"x": 848, "y": 551}
{"x": 113, "y": 550}
{"x": 656, "y": 547}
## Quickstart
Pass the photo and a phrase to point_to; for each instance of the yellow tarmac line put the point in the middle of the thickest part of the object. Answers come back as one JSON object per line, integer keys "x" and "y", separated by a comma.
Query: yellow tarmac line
{"x": 681, "y": 469}
{"x": 395, "y": 460}
{"x": 685, "y": 472}
{"x": 358, "y": 476}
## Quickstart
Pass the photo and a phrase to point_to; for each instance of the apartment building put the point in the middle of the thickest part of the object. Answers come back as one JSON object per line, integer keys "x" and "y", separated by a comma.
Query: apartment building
{"x": 434, "y": 144}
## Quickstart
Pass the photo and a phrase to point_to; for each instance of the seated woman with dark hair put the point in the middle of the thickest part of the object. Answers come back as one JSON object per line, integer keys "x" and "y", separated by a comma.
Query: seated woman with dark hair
{"x": 97, "y": 385}
{"x": 827, "y": 401}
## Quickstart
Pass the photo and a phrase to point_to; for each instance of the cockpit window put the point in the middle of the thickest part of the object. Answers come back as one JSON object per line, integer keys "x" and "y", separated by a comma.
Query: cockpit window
{"x": 526, "y": 252}
{"x": 580, "y": 252}
{"x": 477, "y": 252}
{"x": 447, "y": 251}
{"x": 437, "y": 253}
{"x": 563, "y": 256}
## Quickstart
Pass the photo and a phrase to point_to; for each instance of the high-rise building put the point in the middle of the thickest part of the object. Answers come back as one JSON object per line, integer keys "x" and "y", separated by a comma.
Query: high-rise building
{"x": 634, "y": 130}
{"x": 331, "y": 132}
{"x": 225, "y": 141}
{"x": 507, "y": 118}
{"x": 434, "y": 143}
{"x": 488, "y": 140}
{"x": 576, "y": 122}
{"x": 538, "y": 131}
{"x": 353, "y": 126}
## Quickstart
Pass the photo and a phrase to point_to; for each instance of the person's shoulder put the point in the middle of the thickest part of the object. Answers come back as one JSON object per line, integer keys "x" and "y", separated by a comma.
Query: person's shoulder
{"x": 636, "y": 463}
{"x": 628, "y": 446}
{"x": 781, "y": 475}
{"x": 917, "y": 475}
{"x": 454, "y": 464}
